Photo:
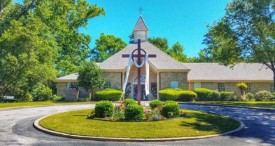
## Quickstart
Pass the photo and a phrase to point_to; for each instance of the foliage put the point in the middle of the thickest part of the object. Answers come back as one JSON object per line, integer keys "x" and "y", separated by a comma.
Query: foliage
{"x": 186, "y": 95}
{"x": 108, "y": 94}
{"x": 38, "y": 39}
{"x": 177, "y": 52}
{"x": 134, "y": 112}
{"x": 104, "y": 109}
{"x": 84, "y": 99}
{"x": 263, "y": 96}
{"x": 215, "y": 96}
{"x": 170, "y": 109}
{"x": 161, "y": 43}
{"x": 203, "y": 94}
{"x": 242, "y": 86}
{"x": 245, "y": 33}
{"x": 153, "y": 114}
{"x": 106, "y": 46}
{"x": 90, "y": 77}
{"x": 41, "y": 92}
{"x": 56, "y": 98}
{"x": 249, "y": 96}
{"x": 176, "y": 95}
{"x": 129, "y": 101}
{"x": 118, "y": 114}
{"x": 155, "y": 103}
{"x": 227, "y": 96}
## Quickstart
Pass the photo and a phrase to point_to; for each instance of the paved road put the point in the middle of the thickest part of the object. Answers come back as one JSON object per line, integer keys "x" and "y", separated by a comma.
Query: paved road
{"x": 16, "y": 128}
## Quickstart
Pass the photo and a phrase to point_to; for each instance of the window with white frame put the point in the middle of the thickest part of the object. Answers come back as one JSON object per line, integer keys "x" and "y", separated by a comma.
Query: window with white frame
{"x": 272, "y": 88}
{"x": 248, "y": 89}
{"x": 196, "y": 85}
{"x": 72, "y": 86}
{"x": 107, "y": 85}
{"x": 174, "y": 84}
{"x": 221, "y": 87}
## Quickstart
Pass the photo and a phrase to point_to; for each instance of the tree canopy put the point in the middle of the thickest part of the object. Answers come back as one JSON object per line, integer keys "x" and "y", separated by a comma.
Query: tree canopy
{"x": 106, "y": 46}
{"x": 39, "y": 39}
{"x": 245, "y": 33}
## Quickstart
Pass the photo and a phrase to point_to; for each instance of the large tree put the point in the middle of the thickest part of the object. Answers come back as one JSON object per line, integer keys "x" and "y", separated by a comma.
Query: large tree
{"x": 106, "y": 46}
{"x": 63, "y": 18}
{"x": 161, "y": 43}
{"x": 90, "y": 77}
{"x": 245, "y": 33}
{"x": 39, "y": 38}
{"x": 177, "y": 52}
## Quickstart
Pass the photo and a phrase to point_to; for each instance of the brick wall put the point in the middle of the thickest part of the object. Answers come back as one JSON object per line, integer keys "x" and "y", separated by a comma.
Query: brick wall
{"x": 166, "y": 78}
{"x": 114, "y": 78}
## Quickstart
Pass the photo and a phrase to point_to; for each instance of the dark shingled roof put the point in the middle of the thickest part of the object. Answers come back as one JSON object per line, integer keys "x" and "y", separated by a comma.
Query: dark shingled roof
{"x": 140, "y": 25}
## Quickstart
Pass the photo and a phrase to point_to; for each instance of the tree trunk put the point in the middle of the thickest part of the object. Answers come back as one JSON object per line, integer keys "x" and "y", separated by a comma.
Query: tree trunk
{"x": 273, "y": 81}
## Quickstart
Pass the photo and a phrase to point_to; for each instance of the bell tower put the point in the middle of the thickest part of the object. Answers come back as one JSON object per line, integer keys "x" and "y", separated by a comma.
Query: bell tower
{"x": 140, "y": 30}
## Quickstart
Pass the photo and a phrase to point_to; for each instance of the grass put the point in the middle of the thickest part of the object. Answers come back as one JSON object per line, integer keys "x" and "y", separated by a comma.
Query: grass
{"x": 196, "y": 123}
{"x": 266, "y": 104}
{"x": 38, "y": 103}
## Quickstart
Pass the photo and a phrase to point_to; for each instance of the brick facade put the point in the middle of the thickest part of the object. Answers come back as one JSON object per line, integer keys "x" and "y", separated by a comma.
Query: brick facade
{"x": 114, "y": 78}
{"x": 167, "y": 77}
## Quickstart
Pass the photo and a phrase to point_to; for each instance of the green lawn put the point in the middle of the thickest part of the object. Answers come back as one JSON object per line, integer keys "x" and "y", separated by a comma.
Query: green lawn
{"x": 196, "y": 123}
{"x": 38, "y": 103}
{"x": 267, "y": 104}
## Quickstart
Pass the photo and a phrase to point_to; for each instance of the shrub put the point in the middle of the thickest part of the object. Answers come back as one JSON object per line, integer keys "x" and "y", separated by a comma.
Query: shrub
{"x": 169, "y": 94}
{"x": 249, "y": 96}
{"x": 108, "y": 94}
{"x": 227, "y": 96}
{"x": 176, "y": 95}
{"x": 104, "y": 109}
{"x": 41, "y": 93}
{"x": 134, "y": 112}
{"x": 57, "y": 98}
{"x": 170, "y": 109}
{"x": 186, "y": 95}
{"x": 215, "y": 96}
{"x": 84, "y": 99}
{"x": 155, "y": 103}
{"x": 203, "y": 94}
{"x": 129, "y": 101}
{"x": 263, "y": 96}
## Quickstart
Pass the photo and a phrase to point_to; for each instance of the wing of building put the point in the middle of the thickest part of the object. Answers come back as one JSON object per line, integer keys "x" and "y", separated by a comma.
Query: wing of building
{"x": 165, "y": 72}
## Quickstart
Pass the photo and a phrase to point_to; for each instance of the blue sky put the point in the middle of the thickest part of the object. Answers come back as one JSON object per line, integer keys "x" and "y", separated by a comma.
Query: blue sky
{"x": 183, "y": 21}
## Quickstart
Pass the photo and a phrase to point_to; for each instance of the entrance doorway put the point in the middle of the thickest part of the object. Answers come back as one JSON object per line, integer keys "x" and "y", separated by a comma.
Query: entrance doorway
{"x": 143, "y": 95}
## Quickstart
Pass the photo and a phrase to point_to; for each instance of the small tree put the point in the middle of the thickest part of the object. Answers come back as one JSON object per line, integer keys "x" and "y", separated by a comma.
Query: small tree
{"x": 90, "y": 77}
{"x": 242, "y": 86}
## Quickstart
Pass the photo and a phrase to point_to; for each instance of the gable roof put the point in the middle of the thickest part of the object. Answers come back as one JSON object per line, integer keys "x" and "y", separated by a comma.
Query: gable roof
{"x": 217, "y": 72}
{"x": 140, "y": 25}
{"x": 162, "y": 62}
{"x": 68, "y": 78}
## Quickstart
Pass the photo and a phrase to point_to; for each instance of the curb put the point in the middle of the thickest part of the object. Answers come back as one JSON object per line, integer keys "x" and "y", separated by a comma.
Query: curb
{"x": 40, "y": 128}
{"x": 259, "y": 108}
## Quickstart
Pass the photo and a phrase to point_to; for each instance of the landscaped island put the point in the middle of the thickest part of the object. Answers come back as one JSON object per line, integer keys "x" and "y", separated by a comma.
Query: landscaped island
{"x": 187, "y": 123}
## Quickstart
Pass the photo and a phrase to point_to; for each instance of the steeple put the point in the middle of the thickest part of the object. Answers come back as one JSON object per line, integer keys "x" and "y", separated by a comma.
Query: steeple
{"x": 140, "y": 30}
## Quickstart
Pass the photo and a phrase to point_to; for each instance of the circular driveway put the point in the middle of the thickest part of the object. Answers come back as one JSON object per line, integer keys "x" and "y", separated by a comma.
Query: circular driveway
{"x": 16, "y": 128}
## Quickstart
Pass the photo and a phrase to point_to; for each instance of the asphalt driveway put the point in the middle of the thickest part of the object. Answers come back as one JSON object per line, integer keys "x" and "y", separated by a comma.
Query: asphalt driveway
{"x": 16, "y": 128}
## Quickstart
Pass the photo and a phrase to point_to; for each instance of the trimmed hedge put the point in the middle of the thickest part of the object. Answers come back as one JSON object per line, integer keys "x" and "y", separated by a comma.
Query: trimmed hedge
{"x": 155, "y": 103}
{"x": 129, "y": 101}
{"x": 104, "y": 109}
{"x": 227, "y": 96}
{"x": 170, "y": 109}
{"x": 176, "y": 95}
{"x": 263, "y": 96}
{"x": 134, "y": 112}
{"x": 203, "y": 94}
{"x": 108, "y": 94}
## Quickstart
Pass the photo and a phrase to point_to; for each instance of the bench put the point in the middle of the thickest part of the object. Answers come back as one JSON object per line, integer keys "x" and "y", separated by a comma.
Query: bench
{"x": 9, "y": 98}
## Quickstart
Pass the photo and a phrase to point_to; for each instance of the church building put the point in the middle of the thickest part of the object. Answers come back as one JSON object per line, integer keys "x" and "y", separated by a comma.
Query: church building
{"x": 166, "y": 72}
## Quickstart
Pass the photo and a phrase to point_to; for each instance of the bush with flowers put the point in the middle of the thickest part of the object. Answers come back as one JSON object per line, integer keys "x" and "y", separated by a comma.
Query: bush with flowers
{"x": 129, "y": 110}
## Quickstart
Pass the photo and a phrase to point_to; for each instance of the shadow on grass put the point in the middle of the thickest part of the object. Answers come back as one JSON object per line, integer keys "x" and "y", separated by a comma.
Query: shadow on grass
{"x": 210, "y": 122}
